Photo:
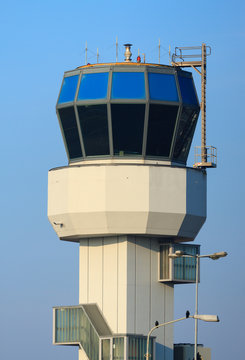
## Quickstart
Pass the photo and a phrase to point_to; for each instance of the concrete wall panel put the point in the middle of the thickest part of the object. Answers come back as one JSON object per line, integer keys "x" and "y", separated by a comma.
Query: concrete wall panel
{"x": 83, "y": 271}
{"x": 95, "y": 272}
{"x": 110, "y": 281}
{"x": 142, "y": 284}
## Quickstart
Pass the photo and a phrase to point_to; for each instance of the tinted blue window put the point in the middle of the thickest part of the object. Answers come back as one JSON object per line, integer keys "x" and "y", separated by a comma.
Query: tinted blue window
{"x": 93, "y": 86}
{"x": 187, "y": 90}
{"x": 162, "y": 87}
{"x": 68, "y": 90}
{"x": 128, "y": 85}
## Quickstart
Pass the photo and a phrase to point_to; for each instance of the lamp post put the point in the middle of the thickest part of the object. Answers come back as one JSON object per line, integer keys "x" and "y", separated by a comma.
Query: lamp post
{"x": 214, "y": 256}
{"x": 209, "y": 318}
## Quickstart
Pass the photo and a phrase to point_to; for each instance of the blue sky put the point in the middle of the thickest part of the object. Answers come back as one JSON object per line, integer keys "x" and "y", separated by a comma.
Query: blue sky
{"x": 39, "y": 41}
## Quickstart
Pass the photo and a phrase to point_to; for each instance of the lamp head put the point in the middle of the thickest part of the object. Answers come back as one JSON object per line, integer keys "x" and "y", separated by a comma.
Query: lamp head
{"x": 209, "y": 318}
{"x": 218, "y": 255}
{"x": 177, "y": 254}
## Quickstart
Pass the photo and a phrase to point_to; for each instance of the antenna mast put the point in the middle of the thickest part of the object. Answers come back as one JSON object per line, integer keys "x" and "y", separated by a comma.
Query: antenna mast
{"x": 159, "y": 46}
{"x": 86, "y": 54}
{"x": 203, "y": 103}
{"x": 208, "y": 154}
{"x": 116, "y": 49}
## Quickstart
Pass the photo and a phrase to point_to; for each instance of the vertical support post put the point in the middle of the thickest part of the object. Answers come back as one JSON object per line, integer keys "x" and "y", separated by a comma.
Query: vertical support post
{"x": 196, "y": 310}
{"x": 159, "y": 46}
{"x": 116, "y": 49}
{"x": 203, "y": 103}
{"x": 86, "y": 54}
{"x": 97, "y": 55}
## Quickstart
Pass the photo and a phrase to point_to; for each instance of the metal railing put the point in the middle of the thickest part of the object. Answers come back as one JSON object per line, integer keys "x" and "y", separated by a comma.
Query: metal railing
{"x": 211, "y": 156}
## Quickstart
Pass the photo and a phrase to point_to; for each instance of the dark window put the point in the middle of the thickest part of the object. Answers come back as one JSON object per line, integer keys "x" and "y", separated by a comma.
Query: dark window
{"x": 93, "y": 121}
{"x": 68, "y": 90}
{"x": 127, "y": 128}
{"x": 187, "y": 124}
{"x": 161, "y": 124}
{"x": 69, "y": 125}
{"x": 187, "y": 90}
{"x": 128, "y": 85}
{"x": 162, "y": 87}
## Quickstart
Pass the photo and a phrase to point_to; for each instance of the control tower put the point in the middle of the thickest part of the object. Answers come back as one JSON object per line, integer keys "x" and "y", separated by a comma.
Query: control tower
{"x": 128, "y": 199}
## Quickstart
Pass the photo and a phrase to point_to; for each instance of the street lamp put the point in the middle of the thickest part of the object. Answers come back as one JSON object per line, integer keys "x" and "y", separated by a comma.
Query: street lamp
{"x": 209, "y": 318}
{"x": 214, "y": 256}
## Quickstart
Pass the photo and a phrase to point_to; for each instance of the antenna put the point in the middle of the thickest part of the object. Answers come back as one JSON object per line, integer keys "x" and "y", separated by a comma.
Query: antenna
{"x": 116, "y": 49}
{"x": 86, "y": 54}
{"x": 97, "y": 55}
{"x": 207, "y": 152}
{"x": 159, "y": 51}
{"x": 169, "y": 54}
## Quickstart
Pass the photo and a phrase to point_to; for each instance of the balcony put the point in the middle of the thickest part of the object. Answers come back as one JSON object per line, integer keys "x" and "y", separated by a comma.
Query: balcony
{"x": 181, "y": 270}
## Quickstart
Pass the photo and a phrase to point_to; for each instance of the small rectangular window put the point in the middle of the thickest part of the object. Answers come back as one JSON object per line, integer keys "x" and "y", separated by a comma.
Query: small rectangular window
{"x": 118, "y": 348}
{"x": 162, "y": 87}
{"x": 128, "y": 85}
{"x": 105, "y": 349}
{"x": 93, "y": 86}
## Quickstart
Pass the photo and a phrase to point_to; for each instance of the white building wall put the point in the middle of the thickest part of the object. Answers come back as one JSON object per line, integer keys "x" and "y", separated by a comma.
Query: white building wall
{"x": 120, "y": 274}
{"x": 99, "y": 200}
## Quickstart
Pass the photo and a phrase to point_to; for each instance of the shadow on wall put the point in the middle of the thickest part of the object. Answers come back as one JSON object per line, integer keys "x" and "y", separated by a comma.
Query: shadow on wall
{"x": 163, "y": 352}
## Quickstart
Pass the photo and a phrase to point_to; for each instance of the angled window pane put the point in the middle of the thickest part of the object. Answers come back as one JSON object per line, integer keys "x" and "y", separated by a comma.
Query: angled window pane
{"x": 68, "y": 90}
{"x": 128, "y": 85}
{"x": 187, "y": 90}
{"x": 94, "y": 127}
{"x": 93, "y": 86}
{"x": 162, "y": 87}
{"x": 127, "y": 128}
{"x": 69, "y": 125}
{"x": 187, "y": 124}
{"x": 161, "y": 124}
